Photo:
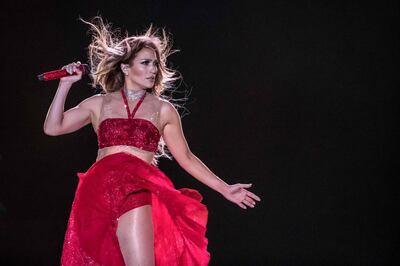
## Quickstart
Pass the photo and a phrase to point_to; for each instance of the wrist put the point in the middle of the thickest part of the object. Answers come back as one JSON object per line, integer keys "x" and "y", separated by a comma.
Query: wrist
{"x": 222, "y": 188}
{"x": 65, "y": 84}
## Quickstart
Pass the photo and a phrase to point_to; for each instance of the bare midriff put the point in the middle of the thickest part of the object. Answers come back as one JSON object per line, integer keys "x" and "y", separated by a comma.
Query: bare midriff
{"x": 146, "y": 156}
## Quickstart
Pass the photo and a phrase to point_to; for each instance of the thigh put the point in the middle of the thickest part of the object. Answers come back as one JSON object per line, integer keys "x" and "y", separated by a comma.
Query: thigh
{"x": 136, "y": 236}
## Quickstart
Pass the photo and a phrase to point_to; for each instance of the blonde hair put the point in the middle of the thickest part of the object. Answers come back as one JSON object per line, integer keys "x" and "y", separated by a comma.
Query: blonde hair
{"x": 108, "y": 51}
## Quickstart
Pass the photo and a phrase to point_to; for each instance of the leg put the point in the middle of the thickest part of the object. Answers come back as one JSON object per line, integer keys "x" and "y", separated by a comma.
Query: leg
{"x": 136, "y": 236}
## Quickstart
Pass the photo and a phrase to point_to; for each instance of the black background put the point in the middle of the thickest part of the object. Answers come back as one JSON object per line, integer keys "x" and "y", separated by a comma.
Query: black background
{"x": 297, "y": 97}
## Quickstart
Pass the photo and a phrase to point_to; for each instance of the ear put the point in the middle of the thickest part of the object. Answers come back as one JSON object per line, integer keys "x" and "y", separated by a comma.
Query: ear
{"x": 124, "y": 68}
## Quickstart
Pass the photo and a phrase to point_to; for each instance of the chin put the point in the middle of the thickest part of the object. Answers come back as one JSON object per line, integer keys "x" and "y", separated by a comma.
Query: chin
{"x": 151, "y": 85}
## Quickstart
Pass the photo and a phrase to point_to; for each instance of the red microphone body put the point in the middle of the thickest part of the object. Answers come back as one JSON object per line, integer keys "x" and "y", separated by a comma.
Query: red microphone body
{"x": 60, "y": 73}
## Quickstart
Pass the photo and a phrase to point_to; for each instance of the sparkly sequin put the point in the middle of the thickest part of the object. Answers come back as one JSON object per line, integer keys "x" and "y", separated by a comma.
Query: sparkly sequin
{"x": 135, "y": 132}
{"x": 122, "y": 179}
{"x": 138, "y": 132}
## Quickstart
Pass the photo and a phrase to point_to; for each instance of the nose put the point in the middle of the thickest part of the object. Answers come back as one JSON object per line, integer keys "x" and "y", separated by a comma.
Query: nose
{"x": 153, "y": 69}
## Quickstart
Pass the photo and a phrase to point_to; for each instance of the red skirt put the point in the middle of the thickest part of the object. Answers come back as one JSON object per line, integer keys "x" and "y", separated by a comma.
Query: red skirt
{"x": 104, "y": 193}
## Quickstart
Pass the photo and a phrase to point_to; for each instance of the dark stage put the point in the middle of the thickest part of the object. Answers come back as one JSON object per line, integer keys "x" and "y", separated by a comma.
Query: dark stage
{"x": 296, "y": 97}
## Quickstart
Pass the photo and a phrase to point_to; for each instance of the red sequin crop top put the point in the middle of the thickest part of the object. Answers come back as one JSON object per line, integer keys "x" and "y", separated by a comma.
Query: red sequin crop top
{"x": 137, "y": 132}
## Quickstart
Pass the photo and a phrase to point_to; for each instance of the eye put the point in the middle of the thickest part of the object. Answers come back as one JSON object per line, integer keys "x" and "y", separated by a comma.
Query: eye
{"x": 148, "y": 62}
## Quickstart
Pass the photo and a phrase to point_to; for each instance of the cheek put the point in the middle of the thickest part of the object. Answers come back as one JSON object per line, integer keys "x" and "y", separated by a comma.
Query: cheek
{"x": 138, "y": 71}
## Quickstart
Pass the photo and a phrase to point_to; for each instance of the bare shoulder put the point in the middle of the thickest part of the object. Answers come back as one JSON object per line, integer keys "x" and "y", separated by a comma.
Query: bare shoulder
{"x": 163, "y": 104}
{"x": 151, "y": 98}
{"x": 115, "y": 95}
{"x": 168, "y": 112}
{"x": 167, "y": 107}
{"x": 93, "y": 102}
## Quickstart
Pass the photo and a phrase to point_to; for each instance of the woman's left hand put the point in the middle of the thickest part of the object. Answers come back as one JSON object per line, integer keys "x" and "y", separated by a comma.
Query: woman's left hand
{"x": 238, "y": 194}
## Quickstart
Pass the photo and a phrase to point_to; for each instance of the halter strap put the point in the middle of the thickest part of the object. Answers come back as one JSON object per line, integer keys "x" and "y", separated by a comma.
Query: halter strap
{"x": 131, "y": 115}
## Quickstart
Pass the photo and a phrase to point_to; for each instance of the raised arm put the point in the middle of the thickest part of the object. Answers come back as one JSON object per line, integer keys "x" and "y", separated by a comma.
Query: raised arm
{"x": 176, "y": 142}
{"x": 59, "y": 122}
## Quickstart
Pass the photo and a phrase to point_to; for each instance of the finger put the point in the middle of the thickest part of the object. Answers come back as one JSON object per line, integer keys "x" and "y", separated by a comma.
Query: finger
{"x": 254, "y": 196}
{"x": 241, "y": 205}
{"x": 246, "y": 185}
{"x": 77, "y": 70}
{"x": 240, "y": 186}
{"x": 70, "y": 69}
{"x": 66, "y": 67}
{"x": 248, "y": 203}
{"x": 78, "y": 64}
{"x": 250, "y": 200}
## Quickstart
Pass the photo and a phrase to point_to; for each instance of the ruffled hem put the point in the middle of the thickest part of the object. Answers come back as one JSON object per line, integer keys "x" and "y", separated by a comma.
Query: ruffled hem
{"x": 178, "y": 216}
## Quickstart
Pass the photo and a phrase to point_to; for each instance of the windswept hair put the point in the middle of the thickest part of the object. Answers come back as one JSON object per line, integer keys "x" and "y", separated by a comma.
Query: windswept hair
{"x": 108, "y": 50}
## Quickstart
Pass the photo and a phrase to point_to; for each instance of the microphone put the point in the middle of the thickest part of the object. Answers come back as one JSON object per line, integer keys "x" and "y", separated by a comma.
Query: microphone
{"x": 60, "y": 73}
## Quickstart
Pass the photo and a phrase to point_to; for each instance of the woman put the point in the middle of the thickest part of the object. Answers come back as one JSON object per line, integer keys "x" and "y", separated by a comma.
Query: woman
{"x": 126, "y": 211}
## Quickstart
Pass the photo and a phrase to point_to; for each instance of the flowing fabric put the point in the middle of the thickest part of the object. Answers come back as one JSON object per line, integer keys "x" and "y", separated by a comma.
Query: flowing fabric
{"x": 102, "y": 196}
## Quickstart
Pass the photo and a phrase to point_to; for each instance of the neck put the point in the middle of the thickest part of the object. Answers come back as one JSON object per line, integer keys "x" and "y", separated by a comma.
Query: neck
{"x": 132, "y": 88}
{"x": 133, "y": 94}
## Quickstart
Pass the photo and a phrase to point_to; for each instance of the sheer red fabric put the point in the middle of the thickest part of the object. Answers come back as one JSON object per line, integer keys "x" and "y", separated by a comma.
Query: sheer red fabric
{"x": 130, "y": 131}
{"x": 103, "y": 195}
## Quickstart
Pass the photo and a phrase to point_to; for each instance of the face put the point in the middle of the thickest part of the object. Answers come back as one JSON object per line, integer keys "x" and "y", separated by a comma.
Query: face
{"x": 142, "y": 72}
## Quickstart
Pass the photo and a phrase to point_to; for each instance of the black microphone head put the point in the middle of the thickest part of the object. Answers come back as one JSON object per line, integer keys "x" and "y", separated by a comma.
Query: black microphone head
{"x": 40, "y": 77}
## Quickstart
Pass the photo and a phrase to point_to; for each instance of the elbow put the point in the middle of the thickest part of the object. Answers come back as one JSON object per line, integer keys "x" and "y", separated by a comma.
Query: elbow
{"x": 50, "y": 131}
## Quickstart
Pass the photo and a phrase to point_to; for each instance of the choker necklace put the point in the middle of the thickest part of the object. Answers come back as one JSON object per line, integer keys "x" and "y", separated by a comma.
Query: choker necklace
{"x": 134, "y": 94}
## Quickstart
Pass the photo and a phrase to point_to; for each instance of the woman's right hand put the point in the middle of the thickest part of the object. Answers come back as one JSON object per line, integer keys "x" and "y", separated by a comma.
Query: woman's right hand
{"x": 72, "y": 68}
